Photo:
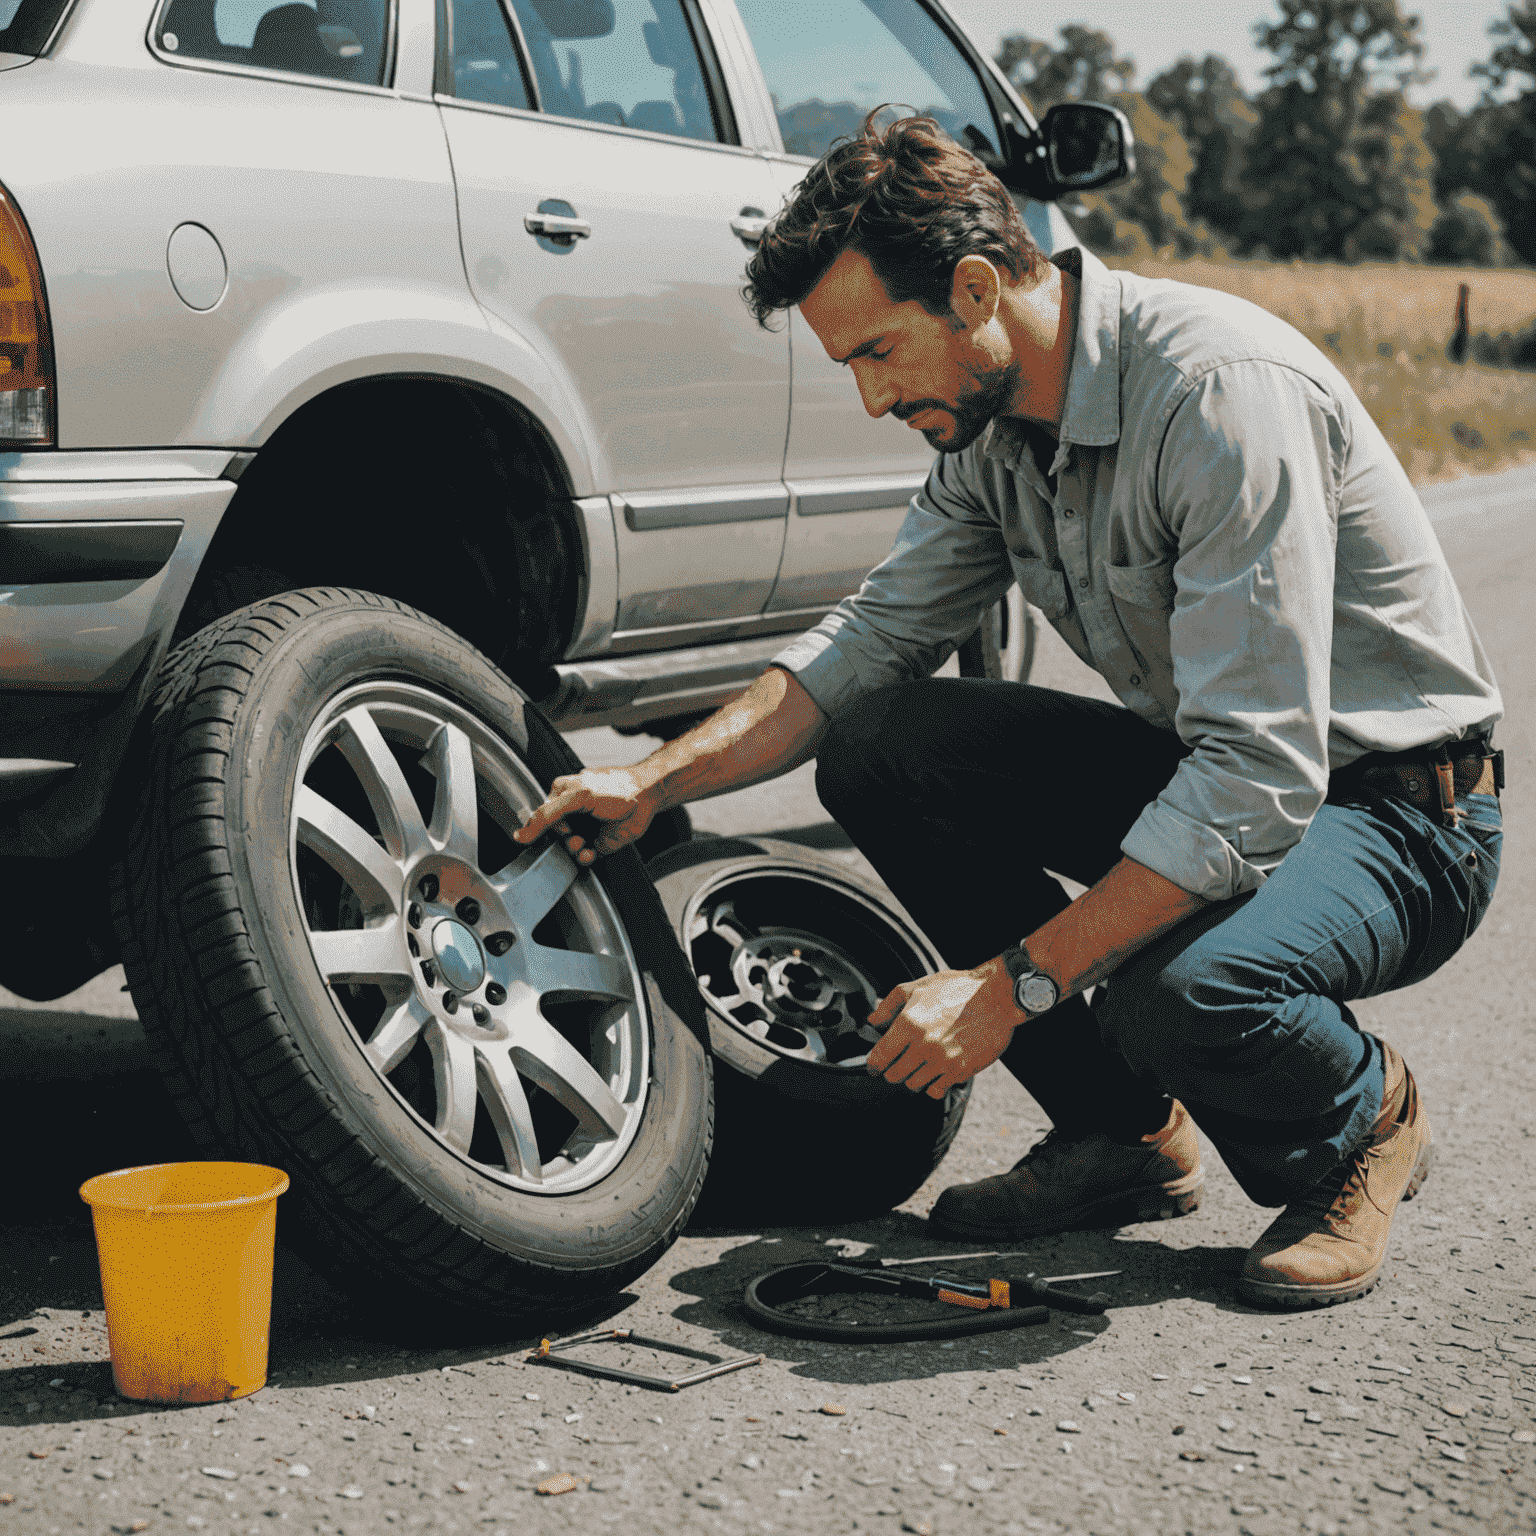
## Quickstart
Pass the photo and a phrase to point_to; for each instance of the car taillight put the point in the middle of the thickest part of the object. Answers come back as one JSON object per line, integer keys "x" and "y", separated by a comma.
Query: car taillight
{"x": 26, "y": 351}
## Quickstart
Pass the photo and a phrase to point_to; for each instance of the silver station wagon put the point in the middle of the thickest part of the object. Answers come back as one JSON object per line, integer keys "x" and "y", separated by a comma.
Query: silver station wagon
{"x": 377, "y": 400}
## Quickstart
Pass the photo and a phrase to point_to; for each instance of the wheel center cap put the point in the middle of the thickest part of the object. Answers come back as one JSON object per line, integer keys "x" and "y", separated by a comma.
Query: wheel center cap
{"x": 458, "y": 955}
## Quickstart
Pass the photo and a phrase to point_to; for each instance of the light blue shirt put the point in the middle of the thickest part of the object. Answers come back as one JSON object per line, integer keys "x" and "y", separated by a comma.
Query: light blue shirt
{"x": 1231, "y": 544}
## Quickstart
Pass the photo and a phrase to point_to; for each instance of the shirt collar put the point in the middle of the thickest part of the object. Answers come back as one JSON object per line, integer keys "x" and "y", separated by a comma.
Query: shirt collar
{"x": 1091, "y": 414}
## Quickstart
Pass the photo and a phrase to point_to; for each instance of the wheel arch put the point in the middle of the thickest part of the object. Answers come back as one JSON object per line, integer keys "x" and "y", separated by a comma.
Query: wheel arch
{"x": 441, "y": 492}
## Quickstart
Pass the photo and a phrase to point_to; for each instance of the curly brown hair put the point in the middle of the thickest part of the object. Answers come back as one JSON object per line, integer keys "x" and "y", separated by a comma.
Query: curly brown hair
{"x": 906, "y": 196}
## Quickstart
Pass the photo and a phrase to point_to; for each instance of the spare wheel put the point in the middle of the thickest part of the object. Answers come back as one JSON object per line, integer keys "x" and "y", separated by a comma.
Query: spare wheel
{"x": 791, "y": 951}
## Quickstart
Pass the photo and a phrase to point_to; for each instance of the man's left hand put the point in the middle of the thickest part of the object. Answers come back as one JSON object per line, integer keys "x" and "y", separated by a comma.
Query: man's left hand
{"x": 944, "y": 1028}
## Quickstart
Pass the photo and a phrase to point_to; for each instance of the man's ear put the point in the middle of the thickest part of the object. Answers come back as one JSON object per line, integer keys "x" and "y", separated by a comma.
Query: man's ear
{"x": 975, "y": 292}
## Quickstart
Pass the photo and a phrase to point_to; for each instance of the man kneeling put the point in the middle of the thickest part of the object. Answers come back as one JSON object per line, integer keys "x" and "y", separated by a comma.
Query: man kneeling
{"x": 1294, "y": 804}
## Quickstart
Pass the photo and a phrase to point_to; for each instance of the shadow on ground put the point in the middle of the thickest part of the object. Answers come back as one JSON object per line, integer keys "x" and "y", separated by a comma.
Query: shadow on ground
{"x": 1151, "y": 1272}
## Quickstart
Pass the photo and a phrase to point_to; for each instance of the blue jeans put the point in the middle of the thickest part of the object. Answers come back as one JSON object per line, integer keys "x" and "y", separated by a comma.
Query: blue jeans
{"x": 964, "y": 793}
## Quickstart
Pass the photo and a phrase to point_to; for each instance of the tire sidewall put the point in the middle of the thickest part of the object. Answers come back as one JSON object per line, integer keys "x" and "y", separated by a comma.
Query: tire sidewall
{"x": 609, "y": 1223}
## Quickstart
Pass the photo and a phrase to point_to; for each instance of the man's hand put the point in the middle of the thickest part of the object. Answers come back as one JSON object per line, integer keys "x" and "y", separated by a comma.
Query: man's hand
{"x": 946, "y": 1028}
{"x": 610, "y": 795}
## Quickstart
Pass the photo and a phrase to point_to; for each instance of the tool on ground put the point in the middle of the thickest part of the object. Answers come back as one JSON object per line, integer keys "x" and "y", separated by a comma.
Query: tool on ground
{"x": 717, "y": 1365}
{"x": 1039, "y": 1286}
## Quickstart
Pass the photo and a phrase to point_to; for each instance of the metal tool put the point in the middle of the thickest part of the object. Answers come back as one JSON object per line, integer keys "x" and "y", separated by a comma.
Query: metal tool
{"x": 718, "y": 1364}
{"x": 989, "y": 1307}
{"x": 1042, "y": 1288}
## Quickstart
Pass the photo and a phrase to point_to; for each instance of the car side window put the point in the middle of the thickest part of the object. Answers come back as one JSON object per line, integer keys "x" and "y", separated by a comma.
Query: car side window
{"x": 632, "y": 63}
{"x": 828, "y": 63}
{"x": 334, "y": 39}
{"x": 485, "y": 61}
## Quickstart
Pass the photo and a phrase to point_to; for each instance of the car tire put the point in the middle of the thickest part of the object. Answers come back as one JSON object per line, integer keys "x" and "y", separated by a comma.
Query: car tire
{"x": 805, "y": 1133}
{"x": 329, "y": 763}
{"x": 1003, "y": 647}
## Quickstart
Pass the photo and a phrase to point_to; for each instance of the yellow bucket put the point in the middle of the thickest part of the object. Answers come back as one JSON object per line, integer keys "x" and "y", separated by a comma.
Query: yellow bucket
{"x": 186, "y": 1272}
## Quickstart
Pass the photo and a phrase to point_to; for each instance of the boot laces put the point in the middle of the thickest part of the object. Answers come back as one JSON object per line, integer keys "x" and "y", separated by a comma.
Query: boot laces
{"x": 1050, "y": 1148}
{"x": 1335, "y": 1198}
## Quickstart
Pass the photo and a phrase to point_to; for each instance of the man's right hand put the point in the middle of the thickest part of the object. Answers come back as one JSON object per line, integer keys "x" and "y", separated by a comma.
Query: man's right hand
{"x": 610, "y": 795}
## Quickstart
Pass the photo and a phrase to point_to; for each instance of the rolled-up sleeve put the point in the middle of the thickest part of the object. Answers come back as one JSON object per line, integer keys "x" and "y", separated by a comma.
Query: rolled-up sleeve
{"x": 1248, "y": 485}
{"x": 949, "y": 564}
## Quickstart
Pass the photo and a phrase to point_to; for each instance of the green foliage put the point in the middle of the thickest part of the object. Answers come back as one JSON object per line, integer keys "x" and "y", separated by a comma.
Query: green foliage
{"x": 1338, "y": 163}
{"x": 1468, "y": 233}
{"x": 1084, "y": 68}
{"x": 1206, "y": 102}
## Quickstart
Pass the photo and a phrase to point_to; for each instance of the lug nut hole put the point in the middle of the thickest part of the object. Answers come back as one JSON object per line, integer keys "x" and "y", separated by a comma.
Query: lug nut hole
{"x": 469, "y": 910}
{"x": 427, "y": 885}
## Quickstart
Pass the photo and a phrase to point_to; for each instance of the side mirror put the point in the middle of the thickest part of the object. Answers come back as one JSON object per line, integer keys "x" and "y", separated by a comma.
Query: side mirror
{"x": 1086, "y": 146}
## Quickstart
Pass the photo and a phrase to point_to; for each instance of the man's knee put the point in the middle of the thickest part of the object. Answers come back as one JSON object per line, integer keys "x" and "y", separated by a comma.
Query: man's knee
{"x": 869, "y": 748}
{"x": 1170, "y": 1006}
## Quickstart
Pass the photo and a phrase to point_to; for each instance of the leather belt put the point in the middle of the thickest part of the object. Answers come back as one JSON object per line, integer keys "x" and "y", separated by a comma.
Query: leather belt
{"x": 1429, "y": 780}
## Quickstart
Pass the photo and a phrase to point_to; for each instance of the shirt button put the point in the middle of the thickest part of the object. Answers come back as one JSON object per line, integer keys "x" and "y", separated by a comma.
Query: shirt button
{"x": 1135, "y": 681}
{"x": 1068, "y": 512}
{"x": 1082, "y": 581}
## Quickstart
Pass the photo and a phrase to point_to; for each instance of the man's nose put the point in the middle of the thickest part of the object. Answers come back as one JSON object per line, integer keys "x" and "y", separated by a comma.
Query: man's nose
{"x": 878, "y": 397}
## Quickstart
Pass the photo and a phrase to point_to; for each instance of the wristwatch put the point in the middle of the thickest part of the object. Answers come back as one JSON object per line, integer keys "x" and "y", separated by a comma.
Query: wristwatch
{"x": 1033, "y": 991}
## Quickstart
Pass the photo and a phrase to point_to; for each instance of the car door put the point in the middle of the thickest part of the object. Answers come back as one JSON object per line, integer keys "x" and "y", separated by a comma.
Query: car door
{"x": 827, "y": 63}
{"x": 606, "y": 217}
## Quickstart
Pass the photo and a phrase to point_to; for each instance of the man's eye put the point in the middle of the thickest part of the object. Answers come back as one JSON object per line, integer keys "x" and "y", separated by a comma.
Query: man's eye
{"x": 878, "y": 355}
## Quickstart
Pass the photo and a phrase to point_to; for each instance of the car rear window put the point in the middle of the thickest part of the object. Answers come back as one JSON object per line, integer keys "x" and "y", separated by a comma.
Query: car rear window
{"x": 26, "y": 25}
{"x": 332, "y": 39}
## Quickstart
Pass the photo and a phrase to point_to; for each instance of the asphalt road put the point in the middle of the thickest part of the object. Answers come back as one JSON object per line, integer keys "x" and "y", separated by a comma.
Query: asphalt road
{"x": 1414, "y": 1408}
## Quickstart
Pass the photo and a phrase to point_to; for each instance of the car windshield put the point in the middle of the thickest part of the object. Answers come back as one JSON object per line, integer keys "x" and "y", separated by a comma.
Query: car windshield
{"x": 26, "y": 25}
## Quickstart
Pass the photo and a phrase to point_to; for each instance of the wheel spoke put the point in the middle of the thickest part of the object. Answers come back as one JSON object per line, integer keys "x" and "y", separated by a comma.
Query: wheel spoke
{"x": 365, "y": 749}
{"x": 360, "y": 954}
{"x": 730, "y": 927}
{"x": 543, "y": 1054}
{"x": 573, "y": 970}
{"x": 532, "y": 885}
{"x": 455, "y": 816}
{"x": 396, "y": 1033}
{"x": 328, "y": 831}
{"x": 507, "y": 1105}
{"x": 453, "y": 1070}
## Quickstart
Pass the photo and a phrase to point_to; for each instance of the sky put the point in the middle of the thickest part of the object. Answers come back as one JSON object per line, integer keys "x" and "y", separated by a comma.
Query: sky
{"x": 1454, "y": 33}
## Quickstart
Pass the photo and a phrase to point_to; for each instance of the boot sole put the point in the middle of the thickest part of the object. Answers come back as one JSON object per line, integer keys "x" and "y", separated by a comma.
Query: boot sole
{"x": 1300, "y": 1298}
{"x": 1124, "y": 1208}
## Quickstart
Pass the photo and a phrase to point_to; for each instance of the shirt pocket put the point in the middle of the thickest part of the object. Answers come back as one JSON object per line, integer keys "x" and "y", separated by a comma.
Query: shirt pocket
{"x": 1143, "y": 598}
{"x": 1043, "y": 587}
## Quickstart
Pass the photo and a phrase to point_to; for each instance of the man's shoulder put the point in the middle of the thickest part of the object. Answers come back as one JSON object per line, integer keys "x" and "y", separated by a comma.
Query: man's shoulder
{"x": 1174, "y": 333}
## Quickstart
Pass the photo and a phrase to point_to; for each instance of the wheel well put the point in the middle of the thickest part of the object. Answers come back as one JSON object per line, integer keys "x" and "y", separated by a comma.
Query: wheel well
{"x": 438, "y": 494}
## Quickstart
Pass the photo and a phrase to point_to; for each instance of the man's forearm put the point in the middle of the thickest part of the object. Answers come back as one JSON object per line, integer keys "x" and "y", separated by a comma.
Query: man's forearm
{"x": 772, "y": 727}
{"x": 1124, "y": 912}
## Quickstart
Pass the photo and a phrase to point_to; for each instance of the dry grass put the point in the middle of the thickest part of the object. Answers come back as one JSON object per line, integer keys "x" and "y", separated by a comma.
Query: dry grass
{"x": 1386, "y": 327}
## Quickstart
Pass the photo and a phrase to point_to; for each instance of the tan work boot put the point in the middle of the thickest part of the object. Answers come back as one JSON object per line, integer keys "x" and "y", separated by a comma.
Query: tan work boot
{"x": 1330, "y": 1245}
{"x": 1061, "y": 1185}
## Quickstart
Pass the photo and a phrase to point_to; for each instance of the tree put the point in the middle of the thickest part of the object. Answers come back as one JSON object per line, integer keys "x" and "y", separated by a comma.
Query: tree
{"x": 1506, "y": 151}
{"x": 1207, "y": 103}
{"x": 1468, "y": 234}
{"x": 1084, "y": 67}
{"x": 1339, "y": 164}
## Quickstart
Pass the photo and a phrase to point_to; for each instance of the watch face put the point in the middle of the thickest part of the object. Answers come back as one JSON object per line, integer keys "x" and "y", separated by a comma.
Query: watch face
{"x": 1039, "y": 994}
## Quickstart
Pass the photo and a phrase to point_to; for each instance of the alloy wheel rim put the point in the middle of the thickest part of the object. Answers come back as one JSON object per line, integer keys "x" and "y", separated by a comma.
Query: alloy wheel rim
{"x": 502, "y": 1007}
{"x": 795, "y": 960}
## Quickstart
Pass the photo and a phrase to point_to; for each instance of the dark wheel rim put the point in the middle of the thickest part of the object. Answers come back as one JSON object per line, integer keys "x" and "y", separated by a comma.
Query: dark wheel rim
{"x": 795, "y": 960}
{"x": 490, "y": 987}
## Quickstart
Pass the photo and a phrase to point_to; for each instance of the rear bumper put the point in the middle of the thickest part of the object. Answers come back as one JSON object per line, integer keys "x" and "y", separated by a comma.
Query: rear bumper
{"x": 98, "y": 552}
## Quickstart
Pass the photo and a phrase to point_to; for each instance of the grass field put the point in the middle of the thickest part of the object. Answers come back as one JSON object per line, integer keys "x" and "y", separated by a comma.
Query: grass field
{"x": 1386, "y": 327}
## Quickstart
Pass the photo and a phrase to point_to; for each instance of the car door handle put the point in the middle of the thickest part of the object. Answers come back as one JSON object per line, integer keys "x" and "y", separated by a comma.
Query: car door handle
{"x": 749, "y": 225}
{"x": 555, "y": 226}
